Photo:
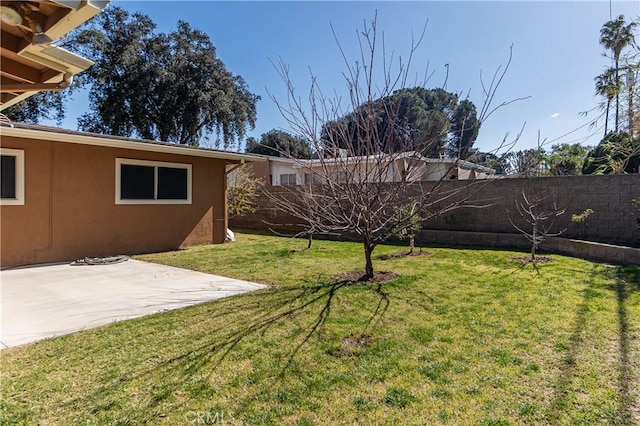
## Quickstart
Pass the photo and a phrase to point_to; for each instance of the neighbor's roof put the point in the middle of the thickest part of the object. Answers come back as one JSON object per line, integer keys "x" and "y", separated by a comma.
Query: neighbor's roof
{"x": 399, "y": 156}
{"x": 25, "y": 66}
{"x": 31, "y": 131}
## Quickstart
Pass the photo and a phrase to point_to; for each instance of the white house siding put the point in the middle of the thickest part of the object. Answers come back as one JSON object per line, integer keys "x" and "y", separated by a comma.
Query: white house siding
{"x": 277, "y": 169}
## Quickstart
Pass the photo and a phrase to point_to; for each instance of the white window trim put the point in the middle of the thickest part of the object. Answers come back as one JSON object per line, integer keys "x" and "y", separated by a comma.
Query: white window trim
{"x": 288, "y": 175}
{"x": 19, "y": 200}
{"x": 155, "y": 164}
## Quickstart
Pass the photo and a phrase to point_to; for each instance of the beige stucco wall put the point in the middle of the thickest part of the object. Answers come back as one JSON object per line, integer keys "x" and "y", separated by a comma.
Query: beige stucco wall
{"x": 70, "y": 210}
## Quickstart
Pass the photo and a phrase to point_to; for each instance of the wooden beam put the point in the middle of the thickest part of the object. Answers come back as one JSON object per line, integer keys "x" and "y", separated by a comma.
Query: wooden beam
{"x": 56, "y": 17}
{"x": 6, "y": 97}
{"x": 19, "y": 71}
{"x": 49, "y": 74}
{"x": 11, "y": 43}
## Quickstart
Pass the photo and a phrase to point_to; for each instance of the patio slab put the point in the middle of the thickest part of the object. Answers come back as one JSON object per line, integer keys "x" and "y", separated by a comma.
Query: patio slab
{"x": 45, "y": 301}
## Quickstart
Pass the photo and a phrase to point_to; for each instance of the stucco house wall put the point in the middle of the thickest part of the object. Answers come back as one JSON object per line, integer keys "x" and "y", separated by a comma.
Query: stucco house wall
{"x": 70, "y": 208}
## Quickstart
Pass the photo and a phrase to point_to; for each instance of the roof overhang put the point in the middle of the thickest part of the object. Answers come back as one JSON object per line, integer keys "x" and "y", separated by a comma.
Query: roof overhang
{"x": 25, "y": 68}
{"x": 55, "y": 134}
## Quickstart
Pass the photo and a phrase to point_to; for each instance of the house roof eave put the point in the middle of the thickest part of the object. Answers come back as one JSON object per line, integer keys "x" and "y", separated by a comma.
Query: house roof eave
{"x": 83, "y": 138}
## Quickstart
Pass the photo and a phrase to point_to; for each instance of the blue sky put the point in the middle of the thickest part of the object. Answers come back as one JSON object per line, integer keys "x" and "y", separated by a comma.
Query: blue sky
{"x": 556, "y": 54}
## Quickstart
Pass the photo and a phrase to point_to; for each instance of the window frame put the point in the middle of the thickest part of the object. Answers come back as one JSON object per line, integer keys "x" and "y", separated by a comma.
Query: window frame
{"x": 155, "y": 164}
{"x": 19, "y": 179}
{"x": 288, "y": 175}
{"x": 312, "y": 179}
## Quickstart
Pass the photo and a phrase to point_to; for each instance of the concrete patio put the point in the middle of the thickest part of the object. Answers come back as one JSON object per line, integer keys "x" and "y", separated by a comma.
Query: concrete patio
{"x": 45, "y": 301}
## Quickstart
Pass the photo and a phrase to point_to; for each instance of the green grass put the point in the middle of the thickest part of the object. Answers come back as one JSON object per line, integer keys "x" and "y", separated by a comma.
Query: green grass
{"x": 462, "y": 337}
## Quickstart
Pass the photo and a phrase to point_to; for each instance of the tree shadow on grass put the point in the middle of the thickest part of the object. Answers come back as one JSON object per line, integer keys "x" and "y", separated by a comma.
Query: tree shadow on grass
{"x": 562, "y": 387}
{"x": 627, "y": 280}
{"x": 251, "y": 315}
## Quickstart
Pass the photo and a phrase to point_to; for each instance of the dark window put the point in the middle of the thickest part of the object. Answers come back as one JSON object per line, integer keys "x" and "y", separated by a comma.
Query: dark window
{"x": 8, "y": 176}
{"x": 136, "y": 182}
{"x": 311, "y": 179}
{"x": 172, "y": 183}
{"x": 288, "y": 179}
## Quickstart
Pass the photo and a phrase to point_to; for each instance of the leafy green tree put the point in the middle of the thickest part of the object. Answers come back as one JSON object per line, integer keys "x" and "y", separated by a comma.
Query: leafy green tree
{"x": 615, "y": 154}
{"x": 525, "y": 163}
{"x": 566, "y": 159}
{"x": 606, "y": 87}
{"x": 242, "y": 191}
{"x": 279, "y": 143}
{"x": 429, "y": 121}
{"x": 170, "y": 87}
{"x": 489, "y": 159}
{"x": 464, "y": 128}
{"x": 408, "y": 224}
{"x": 616, "y": 35}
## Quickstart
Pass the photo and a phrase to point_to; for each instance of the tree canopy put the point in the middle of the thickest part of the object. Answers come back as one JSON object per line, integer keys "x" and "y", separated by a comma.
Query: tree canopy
{"x": 566, "y": 159}
{"x": 38, "y": 107}
{"x": 279, "y": 143}
{"x": 562, "y": 160}
{"x": 615, "y": 36}
{"x": 170, "y": 87}
{"x": 616, "y": 153}
{"x": 426, "y": 120}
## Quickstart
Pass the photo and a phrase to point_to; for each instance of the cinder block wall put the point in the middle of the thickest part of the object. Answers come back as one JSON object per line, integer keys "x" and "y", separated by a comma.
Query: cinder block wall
{"x": 613, "y": 220}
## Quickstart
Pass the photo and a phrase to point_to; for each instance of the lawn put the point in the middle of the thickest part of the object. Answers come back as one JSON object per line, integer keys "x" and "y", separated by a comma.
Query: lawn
{"x": 462, "y": 337}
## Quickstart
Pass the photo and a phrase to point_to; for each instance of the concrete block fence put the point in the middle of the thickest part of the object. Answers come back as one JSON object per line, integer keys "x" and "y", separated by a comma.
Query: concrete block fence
{"x": 613, "y": 223}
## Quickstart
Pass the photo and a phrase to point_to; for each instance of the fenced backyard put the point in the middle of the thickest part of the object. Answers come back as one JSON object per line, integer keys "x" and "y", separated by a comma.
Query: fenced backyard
{"x": 614, "y": 218}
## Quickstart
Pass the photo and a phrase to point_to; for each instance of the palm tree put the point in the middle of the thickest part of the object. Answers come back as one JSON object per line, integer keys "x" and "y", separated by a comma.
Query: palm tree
{"x": 615, "y": 36}
{"x": 605, "y": 86}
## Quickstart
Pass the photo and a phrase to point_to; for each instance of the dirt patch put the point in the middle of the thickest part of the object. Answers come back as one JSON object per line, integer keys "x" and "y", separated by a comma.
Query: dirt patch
{"x": 403, "y": 253}
{"x": 540, "y": 260}
{"x": 359, "y": 277}
{"x": 351, "y": 345}
{"x": 359, "y": 341}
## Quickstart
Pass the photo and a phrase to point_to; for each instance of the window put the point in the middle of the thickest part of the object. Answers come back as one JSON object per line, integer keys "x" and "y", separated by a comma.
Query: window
{"x": 289, "y": 179}
{"x": 152, "y": 182}
{"x": 312, "y": 179}
{"x": 11, "y": 176}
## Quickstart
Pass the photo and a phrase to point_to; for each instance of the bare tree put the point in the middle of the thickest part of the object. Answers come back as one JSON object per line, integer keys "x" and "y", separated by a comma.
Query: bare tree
{"x": 539, "y": 212}
{"x": 355, "y": 189}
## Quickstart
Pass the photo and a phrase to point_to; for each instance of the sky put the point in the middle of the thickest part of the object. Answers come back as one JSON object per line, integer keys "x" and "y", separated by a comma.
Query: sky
{"x": 556, "y": 54}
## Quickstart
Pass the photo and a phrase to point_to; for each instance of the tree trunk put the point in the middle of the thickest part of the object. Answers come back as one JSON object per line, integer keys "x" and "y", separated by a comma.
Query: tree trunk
{"x": 630, "y": 84}
{"x": 412, "y": 243}
{"x": 606, "y": 119}
{"x": 368, "y": 269}
{"x": 617, "y": 95}
{"x": 534, "y": 238}
{"x": 310, "y": 237}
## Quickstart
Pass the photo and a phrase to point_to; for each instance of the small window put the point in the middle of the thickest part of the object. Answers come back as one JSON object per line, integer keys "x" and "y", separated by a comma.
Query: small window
{"x": 288, "y": 179}
{"x": 152, "y": 182}
{"x": 312, "y": 179}
{"x": 11, "y": 176}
